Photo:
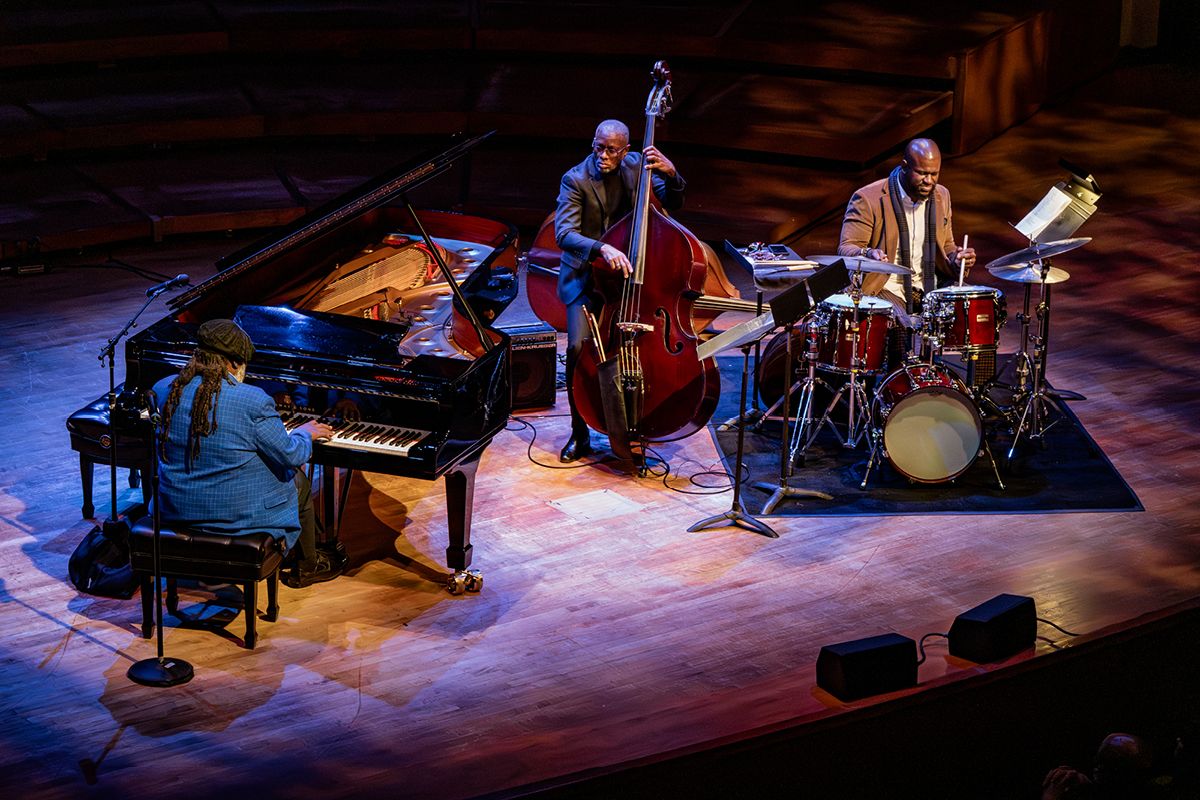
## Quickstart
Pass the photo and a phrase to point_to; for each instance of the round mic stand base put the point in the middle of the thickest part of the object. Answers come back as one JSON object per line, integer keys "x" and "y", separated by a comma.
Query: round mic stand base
{"x": 160, "y": 672}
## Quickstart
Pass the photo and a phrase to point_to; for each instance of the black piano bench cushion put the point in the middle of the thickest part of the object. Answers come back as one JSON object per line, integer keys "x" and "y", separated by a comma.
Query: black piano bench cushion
{"x": 195, "y": 554}
{"x": 89, "y": 429}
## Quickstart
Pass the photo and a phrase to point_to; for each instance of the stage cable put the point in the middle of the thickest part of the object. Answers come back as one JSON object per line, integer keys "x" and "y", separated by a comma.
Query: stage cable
{"x": 1056, "y": 627}
{"x": 921, "y": 645}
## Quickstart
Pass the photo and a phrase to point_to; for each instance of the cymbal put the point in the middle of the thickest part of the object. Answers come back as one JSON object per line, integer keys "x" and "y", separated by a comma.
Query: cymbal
{"x": 1029, "y": 273}
{"x": 859, "y": 264}
{"x": 1036, "y": 251}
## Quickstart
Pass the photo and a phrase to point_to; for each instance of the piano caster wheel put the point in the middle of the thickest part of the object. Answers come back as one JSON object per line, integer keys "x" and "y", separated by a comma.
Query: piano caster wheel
{"x": 467, "y": 581}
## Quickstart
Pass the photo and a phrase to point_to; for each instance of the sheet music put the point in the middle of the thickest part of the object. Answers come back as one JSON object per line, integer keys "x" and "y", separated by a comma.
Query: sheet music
{"x": 1044, "y": 214}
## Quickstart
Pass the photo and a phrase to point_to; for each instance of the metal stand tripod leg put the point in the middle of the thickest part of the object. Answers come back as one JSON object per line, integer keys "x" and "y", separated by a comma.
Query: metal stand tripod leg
{"x": 1039, "y": 401}
{"x": 781, "y": 491}
{"x": 858, "y": 419}
{"x": 735, "y": 515}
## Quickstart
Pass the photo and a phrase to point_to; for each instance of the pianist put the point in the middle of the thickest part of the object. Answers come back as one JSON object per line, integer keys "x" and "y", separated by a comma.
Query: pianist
{"x": 226, "y": 462}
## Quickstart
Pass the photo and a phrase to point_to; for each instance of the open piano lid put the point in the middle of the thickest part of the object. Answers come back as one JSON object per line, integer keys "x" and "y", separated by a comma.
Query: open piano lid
{"x": 349, "y": 206}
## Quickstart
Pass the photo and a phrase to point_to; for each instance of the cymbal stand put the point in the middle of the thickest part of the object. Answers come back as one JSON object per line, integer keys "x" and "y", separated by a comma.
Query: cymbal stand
{"x": 736, "y": 515}
{"x": 858, "y": 419}
{"x": 781, "y": 491}
{"x": 1031, "y": 391}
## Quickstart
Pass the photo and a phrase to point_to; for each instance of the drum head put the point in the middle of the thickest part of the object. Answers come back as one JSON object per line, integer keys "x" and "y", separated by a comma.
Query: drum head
{"x": 933, "y": 434}
{"x": 959, "y": 292}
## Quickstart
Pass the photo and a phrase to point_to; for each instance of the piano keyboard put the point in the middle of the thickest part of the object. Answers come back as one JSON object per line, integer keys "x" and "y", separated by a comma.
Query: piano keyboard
{"x": 372, "y": 436}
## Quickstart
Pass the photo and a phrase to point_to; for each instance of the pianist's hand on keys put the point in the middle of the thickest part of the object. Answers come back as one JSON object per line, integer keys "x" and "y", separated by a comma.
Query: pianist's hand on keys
{"x": 316, "y": 429}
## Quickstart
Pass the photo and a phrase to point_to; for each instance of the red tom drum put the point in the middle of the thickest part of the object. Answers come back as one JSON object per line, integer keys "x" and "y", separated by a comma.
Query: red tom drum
{"x": 834, "y": 320}
{"x": 965, "y": 317}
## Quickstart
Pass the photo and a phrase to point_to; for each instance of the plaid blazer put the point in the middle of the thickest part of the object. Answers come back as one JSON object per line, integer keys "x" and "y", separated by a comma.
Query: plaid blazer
{"x": 241, "y": 482}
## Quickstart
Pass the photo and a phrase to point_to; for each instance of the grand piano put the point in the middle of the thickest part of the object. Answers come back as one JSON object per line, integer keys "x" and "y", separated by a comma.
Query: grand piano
{"x": 377, "y": 318}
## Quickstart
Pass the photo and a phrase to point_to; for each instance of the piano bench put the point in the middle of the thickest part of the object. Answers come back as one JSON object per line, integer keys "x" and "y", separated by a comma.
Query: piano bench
{"x": 92, "y": 439}
{"x": 243, "y": 559}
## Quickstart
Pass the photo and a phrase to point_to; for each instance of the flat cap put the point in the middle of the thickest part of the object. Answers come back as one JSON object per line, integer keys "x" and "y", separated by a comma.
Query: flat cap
{"x": 226, "y": 337}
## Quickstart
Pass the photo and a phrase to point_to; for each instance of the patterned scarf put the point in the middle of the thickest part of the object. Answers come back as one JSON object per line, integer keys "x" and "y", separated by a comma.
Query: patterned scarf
{"x": 928, "y": 249}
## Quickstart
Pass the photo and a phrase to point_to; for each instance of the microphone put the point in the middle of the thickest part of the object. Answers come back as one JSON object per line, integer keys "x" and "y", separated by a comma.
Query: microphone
{"x": 174, "y": 283}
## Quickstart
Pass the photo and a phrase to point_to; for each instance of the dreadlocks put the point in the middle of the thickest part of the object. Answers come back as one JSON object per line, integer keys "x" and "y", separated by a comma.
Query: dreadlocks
{"x": 213, "y": 369}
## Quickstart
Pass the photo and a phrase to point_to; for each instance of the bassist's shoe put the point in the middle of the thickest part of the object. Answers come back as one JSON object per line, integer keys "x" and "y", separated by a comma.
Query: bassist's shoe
{"x": 578, "y": 446}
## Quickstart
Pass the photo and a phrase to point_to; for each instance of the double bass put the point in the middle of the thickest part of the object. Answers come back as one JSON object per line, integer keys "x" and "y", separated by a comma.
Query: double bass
{"x": 641, "y": 381}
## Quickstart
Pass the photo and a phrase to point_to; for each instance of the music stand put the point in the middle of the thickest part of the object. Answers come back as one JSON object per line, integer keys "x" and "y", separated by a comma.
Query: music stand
{"x": 788, "y": 308}
{"x": 745, "y": 336}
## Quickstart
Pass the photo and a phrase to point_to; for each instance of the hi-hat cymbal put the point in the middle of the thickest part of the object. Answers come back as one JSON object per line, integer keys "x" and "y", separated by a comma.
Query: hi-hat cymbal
{"x": 1030, "y": 273}
{"x": 858, "y": 264}
{"x": 1036, "y": 251}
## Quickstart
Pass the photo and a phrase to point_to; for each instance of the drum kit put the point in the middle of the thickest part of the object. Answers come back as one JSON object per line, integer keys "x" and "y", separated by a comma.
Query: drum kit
{"x": 926, "y": 410}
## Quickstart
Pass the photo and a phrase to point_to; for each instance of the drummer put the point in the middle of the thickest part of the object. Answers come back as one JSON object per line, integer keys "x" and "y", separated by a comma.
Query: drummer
{"x": 893, "y": 219}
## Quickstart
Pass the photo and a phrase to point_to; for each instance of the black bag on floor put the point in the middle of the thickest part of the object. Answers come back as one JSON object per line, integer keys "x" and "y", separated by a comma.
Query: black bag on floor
{"x": 100, "y": 564}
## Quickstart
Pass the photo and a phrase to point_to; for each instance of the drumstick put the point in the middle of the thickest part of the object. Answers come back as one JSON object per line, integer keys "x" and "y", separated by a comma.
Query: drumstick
{"x": 961, "y": 265}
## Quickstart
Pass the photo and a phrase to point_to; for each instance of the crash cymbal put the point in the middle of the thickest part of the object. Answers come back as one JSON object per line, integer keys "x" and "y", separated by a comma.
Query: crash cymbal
{"x": 858, "y": 264}
{"x": 1030, "y": 273}
{"x": 1036, "y": 251}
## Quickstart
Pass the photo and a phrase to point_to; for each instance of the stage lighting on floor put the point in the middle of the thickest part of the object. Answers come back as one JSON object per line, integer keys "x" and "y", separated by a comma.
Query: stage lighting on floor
{"x": 995, "y": 630}
{"x": 863, "y": 667}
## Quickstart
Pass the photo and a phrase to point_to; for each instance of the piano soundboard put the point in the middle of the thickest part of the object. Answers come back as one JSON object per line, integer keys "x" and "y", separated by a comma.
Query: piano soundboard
{"x": 370, "y": 436}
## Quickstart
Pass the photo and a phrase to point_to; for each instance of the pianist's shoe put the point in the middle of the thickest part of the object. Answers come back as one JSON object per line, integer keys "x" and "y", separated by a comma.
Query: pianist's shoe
{"x": 319, "y": 570}
{"x": 578, "y": 446}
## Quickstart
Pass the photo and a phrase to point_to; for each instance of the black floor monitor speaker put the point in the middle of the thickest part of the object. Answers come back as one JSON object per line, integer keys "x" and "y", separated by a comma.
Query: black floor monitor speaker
{"x": 534, "y": 363}
{"x": 994, "y": 630}
{"x": 863, "y": 667}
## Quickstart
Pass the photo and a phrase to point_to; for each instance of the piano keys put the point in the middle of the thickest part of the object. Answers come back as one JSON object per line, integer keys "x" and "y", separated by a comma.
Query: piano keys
{"x": 349, "y": 435}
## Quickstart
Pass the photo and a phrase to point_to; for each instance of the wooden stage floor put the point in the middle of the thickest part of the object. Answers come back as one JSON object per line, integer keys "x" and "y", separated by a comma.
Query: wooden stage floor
{"x": 605, "y": 631}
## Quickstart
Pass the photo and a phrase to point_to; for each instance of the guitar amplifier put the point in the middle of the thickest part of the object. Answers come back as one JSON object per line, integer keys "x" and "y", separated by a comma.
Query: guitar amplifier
{"x": 534, "y": 363}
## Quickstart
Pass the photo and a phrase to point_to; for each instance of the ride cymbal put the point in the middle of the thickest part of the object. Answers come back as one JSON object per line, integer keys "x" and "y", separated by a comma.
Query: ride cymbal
{"x": 1038, "y": 251}
{"x": 859, "y": 264}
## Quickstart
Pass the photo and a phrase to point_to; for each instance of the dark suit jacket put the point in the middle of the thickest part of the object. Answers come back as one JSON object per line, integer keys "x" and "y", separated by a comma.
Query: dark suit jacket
{"x": 870, "y": 222}
{"x": 579, "y": 219}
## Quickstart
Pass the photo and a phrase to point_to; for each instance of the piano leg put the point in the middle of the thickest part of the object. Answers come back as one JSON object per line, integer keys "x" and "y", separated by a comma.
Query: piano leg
{"x": 460, "y": 495}
{"x": 331, "y": 510}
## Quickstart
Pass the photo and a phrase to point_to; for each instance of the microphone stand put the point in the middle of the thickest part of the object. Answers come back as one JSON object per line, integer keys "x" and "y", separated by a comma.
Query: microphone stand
{"x": 113, "y": 525}
{"x": 160, "y": 671}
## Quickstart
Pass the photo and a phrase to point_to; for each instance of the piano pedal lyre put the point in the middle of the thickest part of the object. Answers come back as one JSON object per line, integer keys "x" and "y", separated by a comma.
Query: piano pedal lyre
{"x": 469, "y": 580}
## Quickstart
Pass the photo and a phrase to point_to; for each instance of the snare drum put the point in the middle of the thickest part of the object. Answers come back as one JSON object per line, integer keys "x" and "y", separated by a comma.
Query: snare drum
{"x": 965, "y": 317}
{"x": 931, "y": 429}
{"x": 836, "y": 339}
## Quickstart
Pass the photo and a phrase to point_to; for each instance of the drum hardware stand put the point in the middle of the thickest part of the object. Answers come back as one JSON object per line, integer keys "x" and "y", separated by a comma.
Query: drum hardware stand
{"x": 781, "y": 491}
{"x": 806, "y": 431}
{"x": 1031, "y": 391}
{"x": 858, "y": 419}
{"x": 736, "y": 515}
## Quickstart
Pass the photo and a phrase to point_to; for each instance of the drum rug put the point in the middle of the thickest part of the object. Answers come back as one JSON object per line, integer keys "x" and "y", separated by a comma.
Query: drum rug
{"x": 1066, "y": 471}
